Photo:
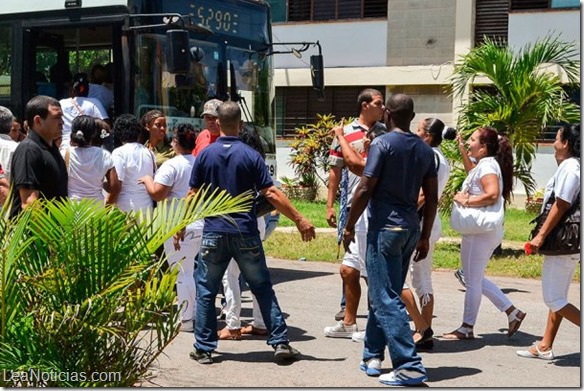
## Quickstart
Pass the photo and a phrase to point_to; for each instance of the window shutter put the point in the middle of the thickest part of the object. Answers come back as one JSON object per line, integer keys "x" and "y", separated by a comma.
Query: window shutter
{"x": 492, "y": 20}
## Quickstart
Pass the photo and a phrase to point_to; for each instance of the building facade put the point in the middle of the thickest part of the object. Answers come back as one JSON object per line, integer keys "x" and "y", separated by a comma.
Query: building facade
{"x": 398, "y": 46}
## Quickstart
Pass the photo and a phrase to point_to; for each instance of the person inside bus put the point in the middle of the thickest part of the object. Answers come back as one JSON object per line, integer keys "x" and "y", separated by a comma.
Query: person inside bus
{"x": 79, "y": 104}
{"x": 60, "y": 76}
{"x": 97, "y": 89}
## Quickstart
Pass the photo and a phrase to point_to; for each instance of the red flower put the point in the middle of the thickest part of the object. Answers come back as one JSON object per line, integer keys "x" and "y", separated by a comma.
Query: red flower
{"x": 528, "y": 248}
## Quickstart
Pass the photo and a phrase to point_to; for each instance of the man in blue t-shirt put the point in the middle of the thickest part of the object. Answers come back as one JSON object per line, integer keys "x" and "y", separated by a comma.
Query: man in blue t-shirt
{"x": 229, "y": 164}
{"x": 398, "y": 164}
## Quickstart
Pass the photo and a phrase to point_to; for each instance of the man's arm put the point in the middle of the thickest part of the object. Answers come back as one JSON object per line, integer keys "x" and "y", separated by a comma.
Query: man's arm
{"x": 361, "y": 198}
{"x": 333, "y": 188}
{"x": 4, "y": 190}
{"x": 284, "y": 206}
{"x": 430, "y": 190}
{"x": 28, "y": 196}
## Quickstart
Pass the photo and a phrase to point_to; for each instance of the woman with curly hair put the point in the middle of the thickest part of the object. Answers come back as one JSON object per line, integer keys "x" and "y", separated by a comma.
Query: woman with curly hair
{"x": 489, "y": 182}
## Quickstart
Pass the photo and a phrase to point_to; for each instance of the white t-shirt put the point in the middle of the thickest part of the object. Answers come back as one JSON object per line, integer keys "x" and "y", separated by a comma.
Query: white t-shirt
{"x": 176, "y": 173}
{"x": 7, "y": 147}
{"x": 443, "y": 175}
{"x": 88, "y": 106}
{"x": 565, "y": 183}
{"x": 101, "y": 93}
{"x": 487, "y": 165}
{"x": 87, "y": 168}
{"x": 132, "y": 161}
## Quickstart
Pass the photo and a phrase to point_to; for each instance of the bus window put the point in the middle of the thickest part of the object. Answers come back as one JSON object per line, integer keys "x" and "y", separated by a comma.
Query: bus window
{"x": 5, "y": 60}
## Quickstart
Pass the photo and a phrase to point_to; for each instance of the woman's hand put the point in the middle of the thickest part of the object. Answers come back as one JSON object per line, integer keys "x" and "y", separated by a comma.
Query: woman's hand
{"x": 536, "y": 243}
{"x": 461, "y": 198}
{"x": 460, "y": 142}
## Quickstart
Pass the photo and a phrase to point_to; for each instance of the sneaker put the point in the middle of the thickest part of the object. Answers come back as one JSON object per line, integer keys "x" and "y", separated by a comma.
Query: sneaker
{"x": 340, "y": 330}
{"x": 358, "y": 336}
{"x": 459, "y": 274}
{"x": 188, "y": 326}
{"x": 201, "y": 356}
{"x": 371, "y": 367}
{"x": 403, "y": 377}
{"x": 340, "y": 315}
{"x": 284, "y": 351}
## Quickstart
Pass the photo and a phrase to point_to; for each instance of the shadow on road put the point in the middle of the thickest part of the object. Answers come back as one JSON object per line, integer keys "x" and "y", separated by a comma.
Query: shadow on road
{"x": 266, "y": 356}
{"x": 568, "y": 360}
{"x": 285, "y": 275}
{"x": 447, "y": 373}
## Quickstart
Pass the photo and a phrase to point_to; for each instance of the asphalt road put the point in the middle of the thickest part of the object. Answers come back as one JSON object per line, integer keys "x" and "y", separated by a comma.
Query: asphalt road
{"x": 308, "y": 293}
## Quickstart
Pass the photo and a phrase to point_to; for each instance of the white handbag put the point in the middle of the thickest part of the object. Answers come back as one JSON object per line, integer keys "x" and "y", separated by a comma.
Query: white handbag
{"x": 470, "y": 220}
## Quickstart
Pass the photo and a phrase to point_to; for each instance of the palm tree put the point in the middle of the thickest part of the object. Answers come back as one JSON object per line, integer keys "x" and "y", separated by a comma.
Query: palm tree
{"x": 523, "y": 96}
{"x": 82, "y": 293}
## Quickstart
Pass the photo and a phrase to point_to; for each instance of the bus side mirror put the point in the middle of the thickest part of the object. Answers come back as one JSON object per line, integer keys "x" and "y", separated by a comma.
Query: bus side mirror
{"x": 317, "y": 73}
{"x": 178, "y": 55}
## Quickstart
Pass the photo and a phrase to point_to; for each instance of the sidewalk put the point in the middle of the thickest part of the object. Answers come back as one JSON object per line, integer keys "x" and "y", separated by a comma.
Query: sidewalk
{"x": 309, "y": 294}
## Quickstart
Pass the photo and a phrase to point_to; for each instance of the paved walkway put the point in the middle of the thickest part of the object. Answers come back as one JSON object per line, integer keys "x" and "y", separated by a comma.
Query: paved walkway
{"x": 309, "y": 294}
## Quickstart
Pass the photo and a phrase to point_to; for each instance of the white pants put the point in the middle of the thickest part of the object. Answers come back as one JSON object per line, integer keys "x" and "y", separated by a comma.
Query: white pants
{"x": 232, "y": 292}
{"x": 356, "y": 258}
{"x": 421, "y": 271}
{"x": 475, "y": 253}
{"x": 184, "y": 259}
{"x": 556, "y": 277}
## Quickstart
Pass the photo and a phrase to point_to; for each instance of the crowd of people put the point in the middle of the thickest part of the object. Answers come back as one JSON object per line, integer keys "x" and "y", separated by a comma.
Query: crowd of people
{"x": 390, "y": 180}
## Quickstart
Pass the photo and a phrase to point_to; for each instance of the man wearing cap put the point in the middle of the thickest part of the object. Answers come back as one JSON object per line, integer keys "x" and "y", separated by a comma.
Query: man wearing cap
{"x": 211, "y": 131}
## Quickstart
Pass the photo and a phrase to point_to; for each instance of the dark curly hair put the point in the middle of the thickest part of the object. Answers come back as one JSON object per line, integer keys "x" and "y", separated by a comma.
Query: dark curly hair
{"x": 500, "y": 148}
{"x": 127, "y": 128}
{"x": 250, "y": 137}
{"x": 186, "y": 136}
{"x": 571, "y": 134}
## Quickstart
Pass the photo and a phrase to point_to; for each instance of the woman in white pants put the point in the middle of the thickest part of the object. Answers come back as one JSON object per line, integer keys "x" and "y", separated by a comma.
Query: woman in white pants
{"x": 172, "y": 182}
{"x": 488, "y": 183}
{"x": 432, "y": 131}
{"x": 558, "y": 270}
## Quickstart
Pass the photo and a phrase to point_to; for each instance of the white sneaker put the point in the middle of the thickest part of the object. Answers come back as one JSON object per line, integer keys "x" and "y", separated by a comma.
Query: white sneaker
{"x": 187, "y": 326}
{"x": 371, "y": 367}
{"x": 403, "y": 377}
{"x": 358, "y": 336}
{"x": 340, "y": 330}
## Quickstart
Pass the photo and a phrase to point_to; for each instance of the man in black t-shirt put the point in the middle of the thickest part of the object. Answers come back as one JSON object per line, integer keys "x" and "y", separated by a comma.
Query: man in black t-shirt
{"x": 38, "y": 169}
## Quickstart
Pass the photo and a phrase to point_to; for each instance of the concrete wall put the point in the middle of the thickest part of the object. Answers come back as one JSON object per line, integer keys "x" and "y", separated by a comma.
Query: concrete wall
{"x": 429, "y": 101}
{"x": 421, "y": 32}
{"x": 528, "y": 27}
{"x": 344, "y": 44}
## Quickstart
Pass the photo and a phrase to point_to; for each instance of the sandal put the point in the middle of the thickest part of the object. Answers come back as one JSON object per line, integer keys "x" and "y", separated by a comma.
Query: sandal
{"x": 460, "y": 333}
{"x": 547, "y": 355}
{"x": 227, "y": 334}
{"x": 515, "y": 321}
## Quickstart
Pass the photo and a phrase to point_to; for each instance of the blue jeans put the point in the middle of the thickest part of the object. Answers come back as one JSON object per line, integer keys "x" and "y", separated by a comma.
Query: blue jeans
{"x": 388, "y": 257}
{"x": 217, "y": 249}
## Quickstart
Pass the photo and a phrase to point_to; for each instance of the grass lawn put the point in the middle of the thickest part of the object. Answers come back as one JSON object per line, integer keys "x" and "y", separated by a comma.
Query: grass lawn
{"x": 517, "y": 227}
{"x": 512, "y": 263}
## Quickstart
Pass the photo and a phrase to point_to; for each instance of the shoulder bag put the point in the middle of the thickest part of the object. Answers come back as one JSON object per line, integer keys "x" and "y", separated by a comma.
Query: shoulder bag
{"x": 476, "y": 220}
{"x": 564, "y": 238}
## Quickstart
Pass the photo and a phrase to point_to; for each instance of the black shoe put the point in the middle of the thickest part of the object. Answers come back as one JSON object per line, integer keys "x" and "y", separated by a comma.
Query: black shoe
{"x": 460, "y": 277}
{"x": 426, "y": 345}
{"x": 201, "y": 357}
{"x": 340, "y": 315}
{"x": 427, "y": 336}
{"x": 285, "y": 351}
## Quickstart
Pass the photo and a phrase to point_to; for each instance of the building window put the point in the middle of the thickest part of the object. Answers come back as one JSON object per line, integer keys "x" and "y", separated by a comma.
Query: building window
{"x": 526, "y": 5}
{"x": 491, "y": 21}
{"x": 319, "y": 10}
{"x": 298, "y": 106}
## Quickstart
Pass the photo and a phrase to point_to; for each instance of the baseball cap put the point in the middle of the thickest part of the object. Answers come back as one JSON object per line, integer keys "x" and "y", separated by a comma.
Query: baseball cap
{"x": 211, "y": 107}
